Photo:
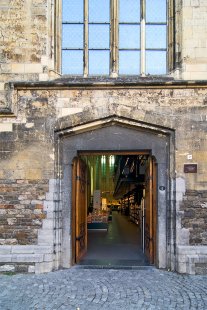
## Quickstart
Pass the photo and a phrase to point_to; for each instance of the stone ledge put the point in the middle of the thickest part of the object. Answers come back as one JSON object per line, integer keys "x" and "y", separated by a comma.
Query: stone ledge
{"x": 25, "y": 249}
{"x": 130, "y": 81}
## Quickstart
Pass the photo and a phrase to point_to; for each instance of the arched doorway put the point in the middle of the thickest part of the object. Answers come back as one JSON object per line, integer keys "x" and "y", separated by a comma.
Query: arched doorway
{"x": 117, "y": 135}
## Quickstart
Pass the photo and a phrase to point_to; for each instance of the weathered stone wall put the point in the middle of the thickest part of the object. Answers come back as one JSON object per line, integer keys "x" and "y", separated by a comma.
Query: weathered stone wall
{"x": 28, "y": 193}
{"x": 29, "y": 40}
{"x": 27, "y": 165}
{"x": 26, "y": 179}
{"x": 26, "y": 41}
{"x": 28, "y": 157}
{"x": 193, "y": 40}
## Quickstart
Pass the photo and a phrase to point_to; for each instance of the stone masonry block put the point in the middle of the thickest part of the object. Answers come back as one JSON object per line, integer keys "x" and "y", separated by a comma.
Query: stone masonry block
{"x": 181, "y": 258}
{"x": 31, "y": 249}
{"x": 48, "y": 224}
{"x": 2, "y": 86}
{"x": 33, "y": 68}
{"x": 195, "y": 3}
{"x": 23, "y": 249}
{"x": 5, "y": 258}
{"x": 27, "y": 258}
{"x": 45, "y": 237}
{"x": 6, "y": 127}
{"x": 50, "y": 215}
{"x": 18, "y": 68}
{"x": 52, "y": 185}
{"x": 49, "y": 206}
{"x": 69, "y": 111}
{"x": 43, "y": 76}
{"x": 48, "y": 257}
{"x": 201, "y": 250}
{"x": 44, "y": 249}
{"x": 181, "y": 267}
{"x": 5, "y": 249}
{"x": 31, "y": 269}
{"x": 49, "y": 196}
{"x": 63, "y": 102}
{"x": 198, "y": 75}
{"x": 202, "y": 259}
{"x": 44, "y": 60}
{"x": 7, "y": 268}
{"x": 43, "y": 267}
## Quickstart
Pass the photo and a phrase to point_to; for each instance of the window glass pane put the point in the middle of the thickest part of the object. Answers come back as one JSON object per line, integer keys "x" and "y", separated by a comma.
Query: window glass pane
{"x": 129, "y": 62}
{"x": 156, "y": 62}
{"x": 72, "y": 36}
{"x": 72, "y": 62}
{"x": 129, "y": 36}
{"x": 156, "y": 11}
{"x": 72, "y": 11}
{"x": 99, "y": 11}
{"x": 155, "y": 36}
{"x": 98, "y": 36}
{"x": 129, "y": 11}
{"x": 99, "y": 62}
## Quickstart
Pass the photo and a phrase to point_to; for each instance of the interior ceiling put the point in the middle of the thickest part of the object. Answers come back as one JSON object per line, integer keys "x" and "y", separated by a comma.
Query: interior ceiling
{"x": 115, "y": 175}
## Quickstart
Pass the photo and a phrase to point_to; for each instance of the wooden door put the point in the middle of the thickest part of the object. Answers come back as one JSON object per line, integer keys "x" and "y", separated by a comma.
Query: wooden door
{"x": 150, "y": 210}
{"x": 154, "y": 208}
{"x": 79, "y": 216}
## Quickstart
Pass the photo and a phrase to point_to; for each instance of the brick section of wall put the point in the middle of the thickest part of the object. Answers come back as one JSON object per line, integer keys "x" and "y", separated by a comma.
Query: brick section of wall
{"x": 194, "y": 218}
{"x": 21, "y": 211}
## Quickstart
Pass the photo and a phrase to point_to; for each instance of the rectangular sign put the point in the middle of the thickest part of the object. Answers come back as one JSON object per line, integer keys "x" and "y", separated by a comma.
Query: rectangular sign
{"x": 190, "y": 168}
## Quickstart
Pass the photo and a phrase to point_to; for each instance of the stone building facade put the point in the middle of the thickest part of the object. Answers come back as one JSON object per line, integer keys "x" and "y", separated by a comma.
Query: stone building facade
{"x": 46, "y": 117}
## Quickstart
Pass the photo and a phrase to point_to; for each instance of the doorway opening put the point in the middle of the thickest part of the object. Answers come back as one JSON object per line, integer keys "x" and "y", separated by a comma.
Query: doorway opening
{"x": 114, "y": 208}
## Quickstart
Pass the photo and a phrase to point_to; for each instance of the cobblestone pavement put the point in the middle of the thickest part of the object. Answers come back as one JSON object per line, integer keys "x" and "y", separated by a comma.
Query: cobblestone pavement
{"x": 94, "y": 289}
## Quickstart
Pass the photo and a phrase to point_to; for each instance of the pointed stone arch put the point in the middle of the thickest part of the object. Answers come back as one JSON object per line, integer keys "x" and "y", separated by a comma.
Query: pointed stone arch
{"x": 119, "y": 133}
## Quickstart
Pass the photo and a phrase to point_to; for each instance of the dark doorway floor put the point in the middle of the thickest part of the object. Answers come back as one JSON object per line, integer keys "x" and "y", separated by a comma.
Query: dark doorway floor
{"x": 119, "y": 246}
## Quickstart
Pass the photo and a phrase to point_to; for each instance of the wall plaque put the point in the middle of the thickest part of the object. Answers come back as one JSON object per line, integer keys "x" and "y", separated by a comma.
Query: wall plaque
{"x": 190, "y": 168}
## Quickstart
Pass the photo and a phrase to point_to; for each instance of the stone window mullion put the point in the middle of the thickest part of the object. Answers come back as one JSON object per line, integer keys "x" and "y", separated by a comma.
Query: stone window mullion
{"x": 85, "y": 53}
{"x": 114, "y": 39}
{"x": 143, "y": 37}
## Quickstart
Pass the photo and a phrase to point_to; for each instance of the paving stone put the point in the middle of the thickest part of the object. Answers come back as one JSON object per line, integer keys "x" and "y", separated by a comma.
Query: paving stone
{"x": 94, "y": 289}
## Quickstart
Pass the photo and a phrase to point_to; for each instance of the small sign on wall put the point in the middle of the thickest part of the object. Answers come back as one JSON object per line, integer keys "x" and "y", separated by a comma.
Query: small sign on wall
{"x": 190, "y": 168}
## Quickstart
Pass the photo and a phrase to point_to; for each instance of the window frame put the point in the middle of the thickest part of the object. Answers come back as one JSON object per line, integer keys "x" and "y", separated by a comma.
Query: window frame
{"x": 114, "y": 39}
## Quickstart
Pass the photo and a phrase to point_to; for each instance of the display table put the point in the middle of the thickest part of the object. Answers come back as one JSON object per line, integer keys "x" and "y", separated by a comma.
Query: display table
{"x": 97, "y": 221}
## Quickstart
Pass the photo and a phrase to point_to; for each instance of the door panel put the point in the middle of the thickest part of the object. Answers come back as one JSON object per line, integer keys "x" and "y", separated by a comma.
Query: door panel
{"x": 150, "y": 210}
{"x": 79, "y": 209}
{"x": 154, "y": 207}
